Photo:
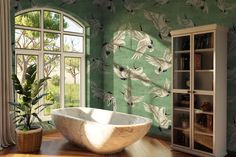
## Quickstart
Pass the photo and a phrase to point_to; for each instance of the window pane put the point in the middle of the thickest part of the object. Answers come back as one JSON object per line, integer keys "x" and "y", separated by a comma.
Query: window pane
{"x": 27, "y": 39}
{"x": 52, "y": 41}
{"x": 30, "y": 19}
{"x": 52, "y": 69}
{"x": 51, "y": 20}
{"x": 24, "y": 61}
{"x": 73, "y": 43}
{"x": 71, "y": 26}
{"x": 72, "y": 82}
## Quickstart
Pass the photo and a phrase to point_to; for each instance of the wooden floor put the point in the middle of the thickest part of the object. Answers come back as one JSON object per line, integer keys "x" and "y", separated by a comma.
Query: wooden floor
{"x": 54, "y": 145}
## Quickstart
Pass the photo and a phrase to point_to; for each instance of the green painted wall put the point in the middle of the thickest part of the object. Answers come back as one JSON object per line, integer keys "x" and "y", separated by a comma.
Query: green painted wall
{"x": 128, "y": 26}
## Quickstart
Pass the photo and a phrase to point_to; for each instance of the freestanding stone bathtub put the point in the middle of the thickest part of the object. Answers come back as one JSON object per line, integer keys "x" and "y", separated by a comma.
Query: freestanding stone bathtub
{"x": 100, "y": 131}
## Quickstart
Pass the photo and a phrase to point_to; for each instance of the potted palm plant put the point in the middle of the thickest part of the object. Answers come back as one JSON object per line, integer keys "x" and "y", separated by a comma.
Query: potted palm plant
{"x": 27, "y": 109}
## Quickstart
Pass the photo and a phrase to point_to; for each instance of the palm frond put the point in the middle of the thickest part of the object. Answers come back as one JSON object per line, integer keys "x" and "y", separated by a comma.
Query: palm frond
{"x": 17, "y": 105}
{"x": 37, "y": 117}
{"x": 37, "y": 86}
{"x": 30, "y": 74}
{"x": 17, "y": 85}
{"x": 37, "y": 98}
{"x": 43, "y": 105}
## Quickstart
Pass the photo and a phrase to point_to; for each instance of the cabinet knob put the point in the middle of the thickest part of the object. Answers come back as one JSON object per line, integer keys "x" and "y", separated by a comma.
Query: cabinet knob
{"x": 188, "y": 91}
{"x": 194, "y": 92}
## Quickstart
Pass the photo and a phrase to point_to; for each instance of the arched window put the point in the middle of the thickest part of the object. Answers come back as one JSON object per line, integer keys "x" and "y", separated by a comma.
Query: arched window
{"x": 56, "y": 42}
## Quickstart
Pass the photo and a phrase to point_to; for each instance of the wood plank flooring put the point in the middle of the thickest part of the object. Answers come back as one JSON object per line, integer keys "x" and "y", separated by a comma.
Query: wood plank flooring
{"x": 54, "y": 145}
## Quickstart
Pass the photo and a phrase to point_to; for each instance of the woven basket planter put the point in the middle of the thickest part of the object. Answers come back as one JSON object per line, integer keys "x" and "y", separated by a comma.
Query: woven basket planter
{"x": 29, "y": 141}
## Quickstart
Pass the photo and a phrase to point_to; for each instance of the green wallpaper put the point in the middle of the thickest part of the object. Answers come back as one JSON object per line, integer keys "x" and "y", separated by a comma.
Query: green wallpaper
{"x": 129, "y": 59}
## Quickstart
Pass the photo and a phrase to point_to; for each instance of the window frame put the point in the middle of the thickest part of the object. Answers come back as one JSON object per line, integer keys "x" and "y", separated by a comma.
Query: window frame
{"x": 63, "y": 54}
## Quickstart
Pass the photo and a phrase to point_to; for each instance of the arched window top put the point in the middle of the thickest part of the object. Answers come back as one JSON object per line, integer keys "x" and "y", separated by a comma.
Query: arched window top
{"x": 55, "y": 41}
{"x": 48, "y": 30}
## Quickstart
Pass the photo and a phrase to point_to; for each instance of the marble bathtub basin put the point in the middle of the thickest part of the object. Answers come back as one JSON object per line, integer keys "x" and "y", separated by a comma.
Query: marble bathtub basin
{"x": 100, "y": 131}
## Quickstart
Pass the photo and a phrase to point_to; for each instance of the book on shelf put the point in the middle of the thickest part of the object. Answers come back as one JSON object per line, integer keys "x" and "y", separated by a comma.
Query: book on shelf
{"x": 184, "y": 62}
{"x": 203, "y": 41}
{"x": 197, "y": 61}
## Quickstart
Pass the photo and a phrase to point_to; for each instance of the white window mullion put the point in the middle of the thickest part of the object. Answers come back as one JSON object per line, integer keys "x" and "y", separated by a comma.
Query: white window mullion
{"x": 41, "y": 75}
{"x": 62, "y": 62}
{"x": 40, "y": 59}
{"x": 62, "y": 81}
{"x": 82, "y": 81}
{"x": 61, "y": 31}
{"x": 42, "y": 31}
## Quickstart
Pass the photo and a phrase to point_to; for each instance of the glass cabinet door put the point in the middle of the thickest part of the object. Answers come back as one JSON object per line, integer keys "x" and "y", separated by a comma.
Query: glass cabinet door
{"x": 181, "y": 94}
{"x": 181, "y": 63}
{"x": 203, "y": 122}
{"x": 203, "y": 65}
{"x": 203, "y": 61}
{"x": 181, "y": 119}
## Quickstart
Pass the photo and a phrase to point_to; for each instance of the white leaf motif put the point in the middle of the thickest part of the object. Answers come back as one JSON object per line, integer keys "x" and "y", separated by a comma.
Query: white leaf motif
{"x": 132, "y": 73}
{"x": 162, "y": 91}
{"x": 117, "y": 41}
{"x": 199, "y": 4}
{"x": 144, "y": 44}
{"x": 160, "y": 23}
{"x": 97, "y": 64}
{"x": 131, "y": 6}
{"x": 161, "y": 64}
{"x": 129, "y": 98}
{"x": 96, "y": 26}
{"x": 184, "y": 21}
{"x": 107, "y": 97}
{"x": 108, "y": 4}
{"x": 224, "y": 6}
{"x": 162, "y": 2}
{"x": 159, "y": 115}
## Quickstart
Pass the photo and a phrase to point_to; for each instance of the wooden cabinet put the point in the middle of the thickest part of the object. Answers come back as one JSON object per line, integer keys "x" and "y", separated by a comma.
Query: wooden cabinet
{"x": 199, "y": 90}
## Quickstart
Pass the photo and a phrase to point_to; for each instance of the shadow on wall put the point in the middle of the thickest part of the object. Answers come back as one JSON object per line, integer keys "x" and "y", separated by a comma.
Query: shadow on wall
{"x": 231, "y": 90}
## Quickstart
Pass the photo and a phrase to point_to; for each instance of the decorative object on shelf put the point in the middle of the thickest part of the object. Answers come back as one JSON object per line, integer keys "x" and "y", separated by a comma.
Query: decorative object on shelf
{"x": 210, "y": 122}
{"x": 184, "y": 62}
{"x": 206, "y": 106}
{"x": 184, "y": 102}
{"x": 197, "y": 61}
{"x": 188, "y": 83}
{"x": 28, "y": 134}
{"x": 184, "y": 121}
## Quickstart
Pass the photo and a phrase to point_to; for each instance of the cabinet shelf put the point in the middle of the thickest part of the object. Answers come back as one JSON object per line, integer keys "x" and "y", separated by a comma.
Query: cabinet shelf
{"x": 182, "y": 109}
{"x": 181, "y": 129}
{"x": 205, "y": 140}
{"x": 182, "y": 71}
{"x": 182, "y": 91}
{"x": 203, "y": 133}
{"x": 198, "y": 111}
{"x": 199, "y": 129}
{"x": 210, "y": 70}
{"x": 181, "y": 51}
{"x": 204, "y": 92}
{"x": 204, "y": 50}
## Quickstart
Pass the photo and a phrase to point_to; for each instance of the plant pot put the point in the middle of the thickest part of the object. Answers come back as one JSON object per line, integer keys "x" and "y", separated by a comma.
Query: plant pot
{"x": 29, "y": 141}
